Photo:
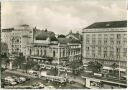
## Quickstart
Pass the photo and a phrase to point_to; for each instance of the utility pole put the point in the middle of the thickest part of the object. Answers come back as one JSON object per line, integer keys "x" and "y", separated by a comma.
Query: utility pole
{"x": 119, "y": 71}
{"x": 58, "y": 57}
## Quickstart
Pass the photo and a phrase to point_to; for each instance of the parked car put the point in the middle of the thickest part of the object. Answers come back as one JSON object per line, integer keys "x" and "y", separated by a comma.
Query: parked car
{"x": 23, "y": 79}
{"x": 49, "y": 87}
{"x": 9, "y": 78}
{"x": 38, "y": 85}
{"x": 13, "y": 83}
{"x": 35, "y": 74}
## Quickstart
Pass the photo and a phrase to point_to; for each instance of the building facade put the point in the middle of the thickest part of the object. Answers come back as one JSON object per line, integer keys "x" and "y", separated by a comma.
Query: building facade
{"x": 106, "y": 42}
{"x": 6, "y": 35}
{"x": 18, "y": 38}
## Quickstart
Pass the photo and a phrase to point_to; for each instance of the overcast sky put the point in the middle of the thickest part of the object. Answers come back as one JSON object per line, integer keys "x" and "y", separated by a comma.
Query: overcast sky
{"x": 61, "y": 16}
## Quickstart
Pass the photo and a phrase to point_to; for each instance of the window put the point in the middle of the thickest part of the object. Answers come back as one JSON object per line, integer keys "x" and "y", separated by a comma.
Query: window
{"x": 118, "y": 36}
{"x": 87, "y": 53}
{"x": 111, "y": 40}
{"x": 99, "y": 41}
{"x": 30, "y": 51}
{"x": 99, "y": 51}
{"x": 41, "y": 52}
{"x": 87, "y": 48}
{"x": 118, "y": 55}
{"x": 93, "y": 39}
{"x": 63, "y": 53}
{"x": 118, "y": 42}
{"x": 54, "y": 54}
{"x": 112, "y": 35}
{"x": 93, "y": 48}
{"x": 125, "y": 41}
{"x": 105, "y": 40}
{"x": 93, "y": 54}
{"x": 87, "y": 39}
{"x": 118, "y": 50}
{"x": 105, "y": 54}
{"x": 44, "y": 52}
{"x": 125, "y": 52}
{"x": 37, "y": 51}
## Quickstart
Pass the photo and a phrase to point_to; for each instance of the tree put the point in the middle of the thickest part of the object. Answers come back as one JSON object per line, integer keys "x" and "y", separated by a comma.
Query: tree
{"x": 30, "y": 65}
{"x": 114, "y": 66}
{"x": 7, "y": 61}
{"x": 53, "y": 71}
{"x": 95, "y": 67}
{"x": 18, "y": 62}
{"x": 75, "y": 65}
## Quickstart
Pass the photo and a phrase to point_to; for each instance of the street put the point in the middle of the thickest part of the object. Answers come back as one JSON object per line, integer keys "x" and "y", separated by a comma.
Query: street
{"x": 34, "y": 79}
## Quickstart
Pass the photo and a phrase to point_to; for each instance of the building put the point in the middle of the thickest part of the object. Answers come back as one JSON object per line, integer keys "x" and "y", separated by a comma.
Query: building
{"x": 59, "y": 50}
{"x": 18, "y": 38}
{"x": 4, "y": 50}
{"x": 6, "y": 37}
{"x": 76, "y": 36}
{"x": 106, "y": 42}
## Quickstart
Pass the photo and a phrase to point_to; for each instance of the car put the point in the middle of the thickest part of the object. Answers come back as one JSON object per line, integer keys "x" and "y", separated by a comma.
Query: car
{"x": 16, "y": 79}
{"x": 5, "y": 83}
{"x": 71, "y": 81}
{"x": 13, "y": 83}
{"x": 23, "y": 79}
{"x": 35, "y": 74}
{"x": 27, "y": 78}
{"x": 38, "y": 85}
{"x": 49, "y": 87}
{"x": 9, "y": 78}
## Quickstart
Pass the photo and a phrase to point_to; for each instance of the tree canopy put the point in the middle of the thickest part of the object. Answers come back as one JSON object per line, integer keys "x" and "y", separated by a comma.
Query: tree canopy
{"x": 94, "y": 66}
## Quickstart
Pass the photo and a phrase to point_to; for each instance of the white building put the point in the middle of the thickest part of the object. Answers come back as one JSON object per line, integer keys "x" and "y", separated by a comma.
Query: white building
{"x": 6, "y": 37}
{"x": 18, "y": 38}
{"x": 106, "y": 42}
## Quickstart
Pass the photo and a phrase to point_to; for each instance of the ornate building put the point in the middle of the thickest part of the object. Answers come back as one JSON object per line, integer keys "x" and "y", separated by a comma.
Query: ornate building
{"x": 106, "y": 42}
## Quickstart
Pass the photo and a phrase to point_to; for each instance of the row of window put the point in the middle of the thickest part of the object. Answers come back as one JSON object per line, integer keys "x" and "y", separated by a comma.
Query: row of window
{"x": 63, "y": 52}
{"x": 106, "y": 55}
{"x": 117, "y": 36}
{"x": 105, "y": 41}
{"x": 105, "y": 49}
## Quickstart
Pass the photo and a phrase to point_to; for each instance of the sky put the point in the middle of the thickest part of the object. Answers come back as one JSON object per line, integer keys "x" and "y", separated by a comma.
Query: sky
{"x": 61, "y": 16}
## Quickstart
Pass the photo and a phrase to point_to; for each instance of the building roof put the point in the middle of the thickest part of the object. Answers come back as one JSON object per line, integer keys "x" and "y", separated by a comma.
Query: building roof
{"x": 110, "y": 24}
{"x": 8, "y": 30}
{"x": 67, "y": 40}
{"x": 43, "y": 35}
{"x": 75, "y": 35}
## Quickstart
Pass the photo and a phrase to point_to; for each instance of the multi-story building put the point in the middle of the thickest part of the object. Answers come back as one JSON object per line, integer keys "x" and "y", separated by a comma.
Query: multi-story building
{"x": 61, "y": 50}
{"x": 21, "y": 37}
{"x": 18, "y": 38}
{"x": 6, "y": 37}
{"x": 106, "y": 42}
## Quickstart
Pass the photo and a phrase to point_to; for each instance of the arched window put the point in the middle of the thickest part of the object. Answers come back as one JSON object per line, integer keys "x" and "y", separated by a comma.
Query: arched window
{"x": 44, "y": 52}
{"x": 30, "y": 51}
{"x": 37, "y": 51}
{"x": 63, "y": 53}
{"x": 41, "y": 52}
{"x": 54, "y": 54}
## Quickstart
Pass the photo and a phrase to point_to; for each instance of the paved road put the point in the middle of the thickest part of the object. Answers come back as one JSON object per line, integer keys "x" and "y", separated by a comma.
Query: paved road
{"x": 35, "y": 79}
{"x": 20, "y": 73}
